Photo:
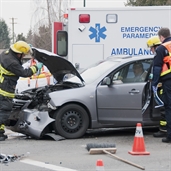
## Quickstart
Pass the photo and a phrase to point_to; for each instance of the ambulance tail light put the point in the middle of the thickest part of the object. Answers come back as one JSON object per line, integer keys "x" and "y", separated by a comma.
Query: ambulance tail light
{"x": 66, "y": 16}
{"x": 84, "y": 18}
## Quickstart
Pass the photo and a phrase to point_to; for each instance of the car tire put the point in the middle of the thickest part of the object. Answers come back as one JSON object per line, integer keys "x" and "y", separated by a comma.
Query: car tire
{"x": 71, "y": 121}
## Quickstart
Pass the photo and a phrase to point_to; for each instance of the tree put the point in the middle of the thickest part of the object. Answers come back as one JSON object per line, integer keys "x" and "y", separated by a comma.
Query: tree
{"x": 43, "y": 38}
{"x": 30, "y": 38}
{"x": 148, "y": 2}
{"x": 46, "y": 12}
{"x": 20, "y": 37}
{"x": 4, "y": 35}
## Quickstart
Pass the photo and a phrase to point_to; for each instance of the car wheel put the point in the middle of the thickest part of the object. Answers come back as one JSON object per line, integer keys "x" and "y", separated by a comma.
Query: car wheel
{"x": 71, "y": 121}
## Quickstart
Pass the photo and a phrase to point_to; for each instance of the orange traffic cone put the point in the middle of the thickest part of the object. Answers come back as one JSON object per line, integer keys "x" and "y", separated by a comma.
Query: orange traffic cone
{"x": 138, "y": 145}
{"x": 99, "y": 165}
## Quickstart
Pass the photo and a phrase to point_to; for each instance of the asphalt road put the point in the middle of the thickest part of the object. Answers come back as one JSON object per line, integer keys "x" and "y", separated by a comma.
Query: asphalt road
{"x": 72, "y": 155}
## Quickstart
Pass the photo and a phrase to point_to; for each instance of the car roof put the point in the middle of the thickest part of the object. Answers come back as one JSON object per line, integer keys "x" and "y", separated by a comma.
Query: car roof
{"x": 129, "y": 58}
{"x": 121, "y": 59}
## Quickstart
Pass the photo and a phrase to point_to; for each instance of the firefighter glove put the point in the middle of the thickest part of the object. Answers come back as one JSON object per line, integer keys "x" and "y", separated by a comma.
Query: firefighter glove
{"x": 151, "y": 76}
{"x": 39, "y": 66}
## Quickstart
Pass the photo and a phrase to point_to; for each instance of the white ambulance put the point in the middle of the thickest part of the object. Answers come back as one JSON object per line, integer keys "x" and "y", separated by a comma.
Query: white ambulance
{"x": 92, "y": 34}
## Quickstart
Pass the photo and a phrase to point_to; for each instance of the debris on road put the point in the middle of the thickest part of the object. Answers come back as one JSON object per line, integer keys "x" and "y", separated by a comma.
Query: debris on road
{"x": 4, "y": 159}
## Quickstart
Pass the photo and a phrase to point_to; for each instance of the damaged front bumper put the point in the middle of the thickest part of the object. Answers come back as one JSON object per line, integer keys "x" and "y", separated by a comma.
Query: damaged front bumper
{"x": 31, "y": 122}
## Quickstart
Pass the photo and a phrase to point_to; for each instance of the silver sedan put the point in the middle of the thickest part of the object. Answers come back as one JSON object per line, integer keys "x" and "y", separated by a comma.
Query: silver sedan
{"x": 112, "y": 93}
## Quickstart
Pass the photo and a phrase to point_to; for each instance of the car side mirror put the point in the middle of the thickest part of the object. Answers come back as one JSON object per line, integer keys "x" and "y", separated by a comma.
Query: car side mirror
{"x": 106, "y": 81}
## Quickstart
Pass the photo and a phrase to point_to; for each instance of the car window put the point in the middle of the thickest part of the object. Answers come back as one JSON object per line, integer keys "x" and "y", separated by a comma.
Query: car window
{"x": 137, "y": 71}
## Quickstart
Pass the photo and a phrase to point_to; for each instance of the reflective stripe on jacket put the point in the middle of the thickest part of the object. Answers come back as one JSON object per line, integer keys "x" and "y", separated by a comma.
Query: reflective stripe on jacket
{"x": 5, "y": 72}
{"x": 166, "y": 68}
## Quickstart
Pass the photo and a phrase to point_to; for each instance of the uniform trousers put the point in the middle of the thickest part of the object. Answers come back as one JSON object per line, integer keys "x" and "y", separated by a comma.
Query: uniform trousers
{"x": 167, "y": 104}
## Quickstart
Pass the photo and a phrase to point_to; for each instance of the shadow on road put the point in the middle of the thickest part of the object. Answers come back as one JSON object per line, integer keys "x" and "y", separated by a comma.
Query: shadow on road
{"x": 117, "y": 132}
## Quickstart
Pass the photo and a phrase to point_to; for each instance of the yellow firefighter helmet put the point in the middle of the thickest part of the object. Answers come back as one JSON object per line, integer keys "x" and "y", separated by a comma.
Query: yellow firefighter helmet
{"x": 153, "y": 41}
{"x": 21, "y": 47}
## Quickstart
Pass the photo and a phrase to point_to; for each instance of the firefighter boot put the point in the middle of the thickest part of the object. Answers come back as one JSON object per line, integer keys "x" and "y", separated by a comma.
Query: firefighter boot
{"x": 162, "y": 128}
{"x": 160, "y": 134}
{"x": 166, "y": 140}
{"x": 2, "y": 131}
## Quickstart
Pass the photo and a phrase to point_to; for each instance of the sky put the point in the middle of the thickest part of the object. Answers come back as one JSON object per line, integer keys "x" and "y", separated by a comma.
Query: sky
{"x": 22, "y": 11}
{"x": 97, "y": 3}
{"x": 19, "y": 10}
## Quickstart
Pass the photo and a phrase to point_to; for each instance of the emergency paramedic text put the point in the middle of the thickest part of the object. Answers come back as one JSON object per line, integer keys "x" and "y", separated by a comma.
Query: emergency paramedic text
{"x": 139, "y": 32}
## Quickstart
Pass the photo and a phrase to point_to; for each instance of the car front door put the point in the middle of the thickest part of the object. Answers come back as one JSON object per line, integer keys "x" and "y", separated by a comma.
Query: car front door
{"x": 122, "y": 102}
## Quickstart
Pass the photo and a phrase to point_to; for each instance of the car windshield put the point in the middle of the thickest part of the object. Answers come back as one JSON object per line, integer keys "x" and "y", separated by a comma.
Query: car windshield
{"x": 93, "y": 72}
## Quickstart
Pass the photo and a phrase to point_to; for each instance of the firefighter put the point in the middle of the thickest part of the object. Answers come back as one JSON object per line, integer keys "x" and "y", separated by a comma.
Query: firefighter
{"x": 162, "y": 73}
{"x": 153, "y": 43}
{"x": 10, "y": 71}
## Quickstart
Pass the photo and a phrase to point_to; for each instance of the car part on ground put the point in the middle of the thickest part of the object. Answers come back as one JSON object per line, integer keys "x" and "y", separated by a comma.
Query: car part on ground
{"x": 11, "y": 158}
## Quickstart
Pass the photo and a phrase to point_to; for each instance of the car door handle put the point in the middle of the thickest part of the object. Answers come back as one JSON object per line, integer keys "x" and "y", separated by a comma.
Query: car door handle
{"x": 134, "y": 91}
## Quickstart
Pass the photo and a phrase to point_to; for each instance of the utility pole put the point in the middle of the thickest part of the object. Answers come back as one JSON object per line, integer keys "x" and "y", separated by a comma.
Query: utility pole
{"x": 13, "y": 28}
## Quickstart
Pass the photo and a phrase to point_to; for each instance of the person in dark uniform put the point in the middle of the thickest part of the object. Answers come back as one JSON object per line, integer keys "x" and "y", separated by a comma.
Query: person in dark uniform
{"x": 162, "y": 73}
{"x": 153, "y": 43}
{"x": 10, "y": 71}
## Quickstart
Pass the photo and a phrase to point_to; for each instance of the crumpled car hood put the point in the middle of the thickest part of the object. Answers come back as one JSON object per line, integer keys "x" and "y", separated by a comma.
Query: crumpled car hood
{"x": 57, "y": 65}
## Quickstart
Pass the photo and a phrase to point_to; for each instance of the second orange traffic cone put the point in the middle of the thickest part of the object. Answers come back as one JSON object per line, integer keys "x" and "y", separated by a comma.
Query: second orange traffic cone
{"x": 138, "y": 144}
{"x": 99, "y": 165}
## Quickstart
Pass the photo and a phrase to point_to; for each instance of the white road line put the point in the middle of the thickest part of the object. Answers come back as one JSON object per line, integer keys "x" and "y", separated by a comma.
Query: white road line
{"x": 44, "y": 165}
